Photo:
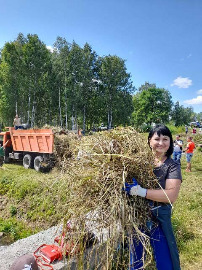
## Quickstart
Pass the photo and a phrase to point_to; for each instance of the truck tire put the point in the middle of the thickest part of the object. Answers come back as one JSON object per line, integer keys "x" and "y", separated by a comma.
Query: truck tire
{"x": 37, "y": 163}
{"x": 27, "y": 161}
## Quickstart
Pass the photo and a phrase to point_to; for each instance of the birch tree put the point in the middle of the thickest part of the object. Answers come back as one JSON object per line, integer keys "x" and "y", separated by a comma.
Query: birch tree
{"x": 61, "y": 71}
{"x": 115, "y": 80}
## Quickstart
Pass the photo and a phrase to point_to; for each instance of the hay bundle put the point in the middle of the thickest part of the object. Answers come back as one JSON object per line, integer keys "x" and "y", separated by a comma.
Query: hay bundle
{"x": 63, "y": 151}
{"x": 64, "y": 146}
{"x": 100, "y": 166}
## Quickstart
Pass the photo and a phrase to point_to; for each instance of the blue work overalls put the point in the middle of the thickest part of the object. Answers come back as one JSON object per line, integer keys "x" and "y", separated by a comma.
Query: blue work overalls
{"x": 162, "y": 241}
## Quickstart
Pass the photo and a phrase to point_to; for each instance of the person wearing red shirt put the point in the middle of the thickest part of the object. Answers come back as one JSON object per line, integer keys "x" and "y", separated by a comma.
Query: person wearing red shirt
{"x": 189, "y": 155}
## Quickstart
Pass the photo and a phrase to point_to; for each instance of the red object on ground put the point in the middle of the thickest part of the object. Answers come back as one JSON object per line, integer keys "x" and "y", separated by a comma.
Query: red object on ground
{"x": 50, "y": 253}
{"x": 47, "y": 254}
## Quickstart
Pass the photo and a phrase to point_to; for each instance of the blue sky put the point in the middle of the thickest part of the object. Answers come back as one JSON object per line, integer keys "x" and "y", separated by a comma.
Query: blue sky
{"x": 161, "y": 40}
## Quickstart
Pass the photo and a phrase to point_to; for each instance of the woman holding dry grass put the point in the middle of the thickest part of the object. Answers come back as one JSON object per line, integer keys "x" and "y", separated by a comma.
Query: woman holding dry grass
{"x": 160, "y": 229}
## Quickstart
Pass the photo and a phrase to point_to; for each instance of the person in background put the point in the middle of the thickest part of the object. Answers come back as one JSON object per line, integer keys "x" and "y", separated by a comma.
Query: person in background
{"x": 168, "y": 174}
{"x": 177, "y": 152}
{"x": 186, "y": 129}
{"x": 79, "y": 133}
{"x": 17, "y": 122}
{"x": 189, "y": 152}
{"x": 2, "y": 153}
{"x": 194, "y": 131}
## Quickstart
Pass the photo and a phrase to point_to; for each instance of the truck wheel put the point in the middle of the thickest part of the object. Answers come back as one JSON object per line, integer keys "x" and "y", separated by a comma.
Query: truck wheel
{"x": 37, "y": 163}
{"x": 27, "y": 161}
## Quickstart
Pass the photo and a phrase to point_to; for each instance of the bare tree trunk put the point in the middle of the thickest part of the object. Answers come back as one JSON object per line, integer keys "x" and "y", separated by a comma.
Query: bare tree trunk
{"x": 34, "y": 107}
{"x": 16, "y": 107}
{"x": 29, "y": 99}
{"x": 33, "y": 113}
{"x": 110, "y": 119}
{"x": 16, "y": 96}
{"x": 73, "y": 118}
{"x": 60, "y": 111}
{"x": 66, "y": 114}
{"x": 28, "y": 112}
{"x": 110, "y": 113}
{"x": 84, "y": 119}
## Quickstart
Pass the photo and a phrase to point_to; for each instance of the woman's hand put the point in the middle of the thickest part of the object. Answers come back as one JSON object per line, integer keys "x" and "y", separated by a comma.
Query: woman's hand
{"x": 134, "y": 189}
{"x": 138, "y": 191}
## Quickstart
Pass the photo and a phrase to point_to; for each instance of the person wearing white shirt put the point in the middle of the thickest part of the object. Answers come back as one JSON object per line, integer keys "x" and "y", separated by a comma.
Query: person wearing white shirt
{"x": 177, "y": 151}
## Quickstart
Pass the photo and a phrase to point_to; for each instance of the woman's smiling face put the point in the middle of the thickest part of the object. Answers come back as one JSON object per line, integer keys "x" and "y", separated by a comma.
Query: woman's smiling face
{"x": 159, "y": 144}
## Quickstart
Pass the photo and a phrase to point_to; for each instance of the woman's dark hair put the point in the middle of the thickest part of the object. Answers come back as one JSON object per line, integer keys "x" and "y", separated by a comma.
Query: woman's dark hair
{"x": 162, "y": 130}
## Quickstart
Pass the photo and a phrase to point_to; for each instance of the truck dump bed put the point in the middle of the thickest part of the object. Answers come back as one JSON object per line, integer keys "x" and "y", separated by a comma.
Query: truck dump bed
{"x": 32, "y": 140}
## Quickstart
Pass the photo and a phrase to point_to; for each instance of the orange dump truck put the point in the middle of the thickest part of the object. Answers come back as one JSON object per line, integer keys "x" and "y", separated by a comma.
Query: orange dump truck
{"x": 34, "y": 147}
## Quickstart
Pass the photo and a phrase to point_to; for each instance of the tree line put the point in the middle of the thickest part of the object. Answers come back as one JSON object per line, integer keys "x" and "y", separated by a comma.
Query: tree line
{"x": 72, "y": 86}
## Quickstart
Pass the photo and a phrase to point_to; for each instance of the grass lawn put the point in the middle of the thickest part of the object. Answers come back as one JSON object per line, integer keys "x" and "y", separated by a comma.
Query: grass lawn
{"x": 187, "y": 215}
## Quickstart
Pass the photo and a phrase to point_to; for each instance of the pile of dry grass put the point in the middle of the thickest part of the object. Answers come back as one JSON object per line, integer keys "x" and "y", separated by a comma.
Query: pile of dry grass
{"x": 63, "y": 151}
{"x": 96, "y": 169}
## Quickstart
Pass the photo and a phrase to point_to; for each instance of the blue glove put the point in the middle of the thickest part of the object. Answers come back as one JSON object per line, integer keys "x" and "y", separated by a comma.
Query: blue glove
{"x": 128, "y": 187}
{"x": 135, "y": 189}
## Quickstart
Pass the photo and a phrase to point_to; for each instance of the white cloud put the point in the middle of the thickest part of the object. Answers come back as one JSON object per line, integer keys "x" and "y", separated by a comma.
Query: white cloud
{"x": 199, "y": 92}
{"x": 197, "y": 100}
{"x": 181, "y": 82}
{"x": 50, "y": 48}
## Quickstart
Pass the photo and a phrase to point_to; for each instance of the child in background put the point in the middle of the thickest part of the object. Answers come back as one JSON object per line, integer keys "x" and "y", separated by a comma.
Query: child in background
{"x": 189, "y": 155}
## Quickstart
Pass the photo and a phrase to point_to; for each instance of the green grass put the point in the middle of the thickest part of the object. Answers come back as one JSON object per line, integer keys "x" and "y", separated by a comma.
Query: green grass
{"x": 188, "y": 213}
{"x": 32, "y": 201}
{"x": 14, "y": 229}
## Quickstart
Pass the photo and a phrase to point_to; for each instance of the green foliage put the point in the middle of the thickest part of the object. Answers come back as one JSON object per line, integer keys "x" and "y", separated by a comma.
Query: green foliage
{"x": 5, "y": 183}
{"x": 146, "y": 86}
{"x": 46, "y": 87}
{"x": 152, "y": 105}
{"x": 199, "y": 116}
{"x": 19, "y": 190}
{"x": 198, "y": 138}
{"x": 176, "y": 129}
{"x": 199, "y": 149}
{"x": 144, "y": 128}
{"x": 52, "y": 88}
{"x": 24, "y": 79}
{"x": 115, "y": 89}
{"x": 180, "y": 115}
{"x": 13, "y": 210}
{"x": 15, "y": 229}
